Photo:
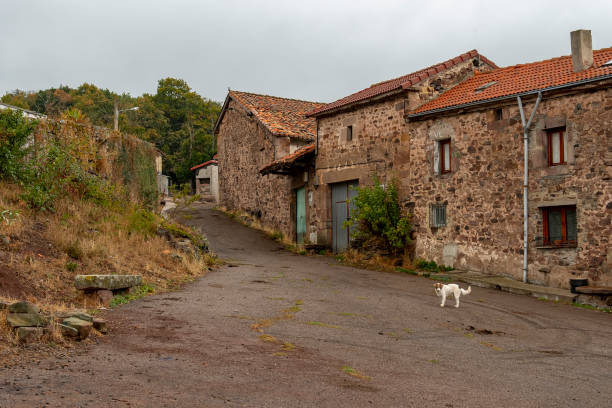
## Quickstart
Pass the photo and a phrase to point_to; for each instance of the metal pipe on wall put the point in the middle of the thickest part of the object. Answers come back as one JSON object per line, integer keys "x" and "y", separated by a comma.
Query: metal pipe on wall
{"x": 526, "y": 176}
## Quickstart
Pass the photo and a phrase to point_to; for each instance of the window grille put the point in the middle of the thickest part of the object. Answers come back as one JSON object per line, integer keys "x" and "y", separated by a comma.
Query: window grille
{"x": 437, "y": 215}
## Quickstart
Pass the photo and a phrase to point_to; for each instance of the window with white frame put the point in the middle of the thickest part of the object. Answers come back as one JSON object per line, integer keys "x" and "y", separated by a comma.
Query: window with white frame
{"x": 557, "y": 146}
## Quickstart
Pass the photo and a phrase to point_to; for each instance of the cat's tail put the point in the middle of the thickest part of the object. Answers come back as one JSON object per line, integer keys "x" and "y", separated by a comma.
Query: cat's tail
{"x": 466, "y": 292}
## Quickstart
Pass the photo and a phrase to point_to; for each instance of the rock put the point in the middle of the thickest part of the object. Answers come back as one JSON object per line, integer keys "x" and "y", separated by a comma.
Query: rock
{"x": 26, "y": 320}
{"x": 5, "y": 240}
{"x": 29, "y": 334}
{"x": 100, "y": 325}
{"x": 82, "y": 316}
{"x": 23, "y": 307}
{"x": 75, "y": 327}
{"x": 108, "y": 282}
{"x": 104, "y": 296}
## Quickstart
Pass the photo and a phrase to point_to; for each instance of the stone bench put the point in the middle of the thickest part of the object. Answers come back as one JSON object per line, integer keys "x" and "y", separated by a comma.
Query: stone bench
{"x": 599, "y": 296}
{"x": 102, "y": 288}
{"x": 594, "y": 290}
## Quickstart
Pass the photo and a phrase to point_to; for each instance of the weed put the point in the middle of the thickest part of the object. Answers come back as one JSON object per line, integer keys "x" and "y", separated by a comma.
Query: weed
{"x": 74, "y": 250}
{"x": 315, "y": 323}
{"x": 268, "y": 339}
{"x": 354, "y": 373}
{"x": 142, "y": 221}
{"x": 440, "y": 278}
{"x": 591, "y": 307}
{"x": 137, "y": 293}
{"x": 434, "y": 361}
{"x": 302, "y": 252}
{"x": 408, "y": 271}
{"x": 9, "y": 216}
{"x": 71, "y": 266}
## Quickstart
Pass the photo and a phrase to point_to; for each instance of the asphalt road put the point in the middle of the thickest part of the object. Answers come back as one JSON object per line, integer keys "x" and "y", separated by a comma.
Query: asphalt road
{"x": 275, "y": 329}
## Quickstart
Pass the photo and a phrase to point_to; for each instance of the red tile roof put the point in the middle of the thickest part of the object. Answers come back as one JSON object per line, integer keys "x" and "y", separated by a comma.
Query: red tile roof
{"x": 282, "y": 116}
{"x": 286, "y": 162}
{"x": 204, "y": 164}
{"x": 402, "y": 82}
{"x": 519, "y": 79}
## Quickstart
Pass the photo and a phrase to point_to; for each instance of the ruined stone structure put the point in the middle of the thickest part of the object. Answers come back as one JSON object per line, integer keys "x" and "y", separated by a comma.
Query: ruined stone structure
{"x": 253, "y": 131}
{"x": 570, "y": 199}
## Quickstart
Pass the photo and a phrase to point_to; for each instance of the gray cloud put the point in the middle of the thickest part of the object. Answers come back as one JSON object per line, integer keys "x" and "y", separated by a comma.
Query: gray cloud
{"x": 316, "y": 50}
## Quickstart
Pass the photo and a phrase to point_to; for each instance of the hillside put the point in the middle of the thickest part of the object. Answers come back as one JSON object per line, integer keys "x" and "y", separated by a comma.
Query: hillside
{"x": 74, "y": 201}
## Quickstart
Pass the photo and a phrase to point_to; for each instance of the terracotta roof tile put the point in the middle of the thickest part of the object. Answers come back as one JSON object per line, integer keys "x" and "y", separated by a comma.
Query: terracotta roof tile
{"x": 204, "y": 164}
{"x": 288, "y": 160}
{"x": 402, "y": 82}
{"x": 519, "y": 79}
{"x": 282, "y": 116}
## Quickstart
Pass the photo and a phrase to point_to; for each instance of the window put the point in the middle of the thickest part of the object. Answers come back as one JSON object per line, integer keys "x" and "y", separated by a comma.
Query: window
{"x": 499, "y": 114}
{"x": 559, "y": 225}
{"x": 557, "y": 147}
{"x": 349, "y": 133}
{"x": 445, "y": 156}
{"x": 437, "y": 215}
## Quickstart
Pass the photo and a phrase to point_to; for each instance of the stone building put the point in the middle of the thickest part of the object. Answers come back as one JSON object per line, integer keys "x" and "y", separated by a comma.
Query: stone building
{"x": 464, "y": 174}
{"x": 254, "y": 131}
{"x": 207, "y": 180}
{"x": 365, "y": 134}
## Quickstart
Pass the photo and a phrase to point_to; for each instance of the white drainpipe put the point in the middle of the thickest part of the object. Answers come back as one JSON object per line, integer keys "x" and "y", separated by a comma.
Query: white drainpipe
{"x": 526, "y": 176}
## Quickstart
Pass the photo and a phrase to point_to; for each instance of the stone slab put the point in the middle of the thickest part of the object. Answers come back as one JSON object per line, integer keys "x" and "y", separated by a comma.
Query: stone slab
{"x": 75, "y": 327}
{"x": 29, "y": 334}
{"x": 512, "y": 286}
{"x": 23, "y": 307}
{"x": 26, "y": 320}
{"x": 594, "y": 290}
{"x": 107, "y": 282}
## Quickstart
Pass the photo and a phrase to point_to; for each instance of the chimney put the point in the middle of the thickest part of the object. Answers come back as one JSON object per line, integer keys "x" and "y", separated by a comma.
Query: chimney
{"x": 582, "y": 50}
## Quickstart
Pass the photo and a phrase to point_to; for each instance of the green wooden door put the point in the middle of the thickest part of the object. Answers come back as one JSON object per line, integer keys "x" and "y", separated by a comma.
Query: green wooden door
{"x": 300, "y": 194}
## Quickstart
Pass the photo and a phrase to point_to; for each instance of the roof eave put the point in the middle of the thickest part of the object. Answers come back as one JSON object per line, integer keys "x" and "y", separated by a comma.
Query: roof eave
{"x": 349, "y": 106}
{"x": 505, "y": 97}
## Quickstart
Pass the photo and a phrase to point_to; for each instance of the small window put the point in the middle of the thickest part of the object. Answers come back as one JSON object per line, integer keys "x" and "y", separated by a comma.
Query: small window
{"x": 559, "y": 225}
{"x": 499, "y": 114}
{"x": 445, "y": 156}
{"x": 557, "y": 147}
{"x": 437, "y": 215}
{"x": 349, "y": 133}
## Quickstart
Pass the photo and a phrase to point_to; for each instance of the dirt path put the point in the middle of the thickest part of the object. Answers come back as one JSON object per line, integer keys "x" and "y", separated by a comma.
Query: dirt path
{"x": 274, "y": 329}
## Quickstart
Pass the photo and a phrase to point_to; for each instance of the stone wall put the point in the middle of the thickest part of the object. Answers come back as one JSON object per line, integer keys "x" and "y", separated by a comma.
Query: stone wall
{"x": 380, "y": 142}
{"x": 244, "y": 147}
{"x": 483, "y": 192}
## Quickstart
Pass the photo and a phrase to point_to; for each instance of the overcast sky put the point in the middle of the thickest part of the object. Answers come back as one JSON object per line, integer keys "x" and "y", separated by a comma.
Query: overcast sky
{"x": 313, "y": 50}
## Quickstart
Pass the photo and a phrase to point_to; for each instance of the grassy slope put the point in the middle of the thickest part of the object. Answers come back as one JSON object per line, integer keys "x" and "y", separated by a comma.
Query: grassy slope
{"x": 47, "y": 250}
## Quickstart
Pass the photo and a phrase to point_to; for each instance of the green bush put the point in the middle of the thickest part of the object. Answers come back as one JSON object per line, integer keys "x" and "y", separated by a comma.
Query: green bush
{"x": 14, "y": 133}
{"x": 377, "y": 215}
{"x": 142, "y": 221}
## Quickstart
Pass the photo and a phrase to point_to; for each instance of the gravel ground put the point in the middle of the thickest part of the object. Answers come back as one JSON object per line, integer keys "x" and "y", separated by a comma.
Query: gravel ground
{"x": 275, "y": 329}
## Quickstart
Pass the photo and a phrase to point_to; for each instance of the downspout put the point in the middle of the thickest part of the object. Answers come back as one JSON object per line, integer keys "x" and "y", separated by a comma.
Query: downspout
{"x": 526, "y": 176}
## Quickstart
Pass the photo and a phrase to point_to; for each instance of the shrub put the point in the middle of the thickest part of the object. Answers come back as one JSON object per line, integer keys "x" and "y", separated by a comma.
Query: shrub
{"x": 377, "y": 216}
{"x": 74, "y": 250}
{"x": 14, "y": 133}
{"x": 142, "y": 221}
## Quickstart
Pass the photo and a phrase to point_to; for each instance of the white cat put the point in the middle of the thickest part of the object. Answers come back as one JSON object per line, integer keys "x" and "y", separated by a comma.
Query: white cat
{"x": 451, "y": 288}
